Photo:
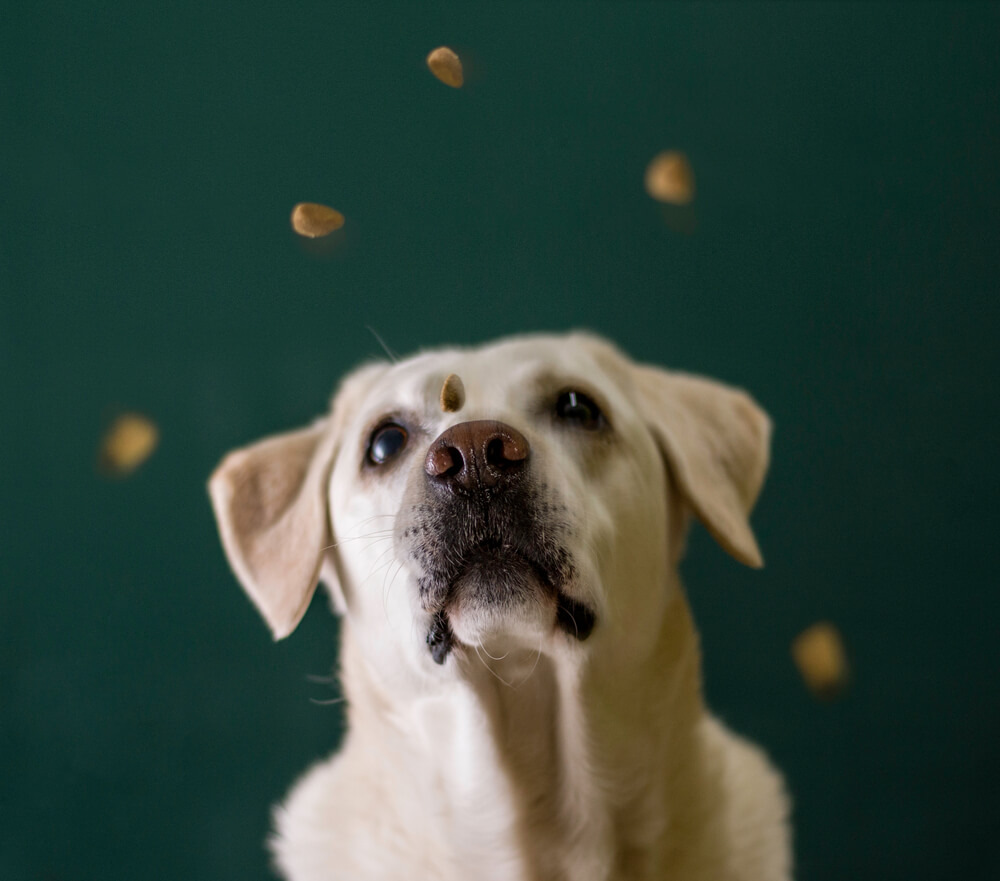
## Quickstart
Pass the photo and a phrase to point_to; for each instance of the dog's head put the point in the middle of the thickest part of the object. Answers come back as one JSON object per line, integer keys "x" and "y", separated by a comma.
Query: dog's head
{"x": 528, "y": 493}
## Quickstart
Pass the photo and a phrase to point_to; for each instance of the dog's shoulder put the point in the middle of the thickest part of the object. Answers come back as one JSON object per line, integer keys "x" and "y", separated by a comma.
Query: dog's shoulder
{"x": 754, "y": 805}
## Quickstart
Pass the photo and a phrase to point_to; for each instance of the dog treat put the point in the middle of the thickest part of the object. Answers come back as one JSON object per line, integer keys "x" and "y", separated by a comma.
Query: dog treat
{"x": 446, "y": 66}
{"x": 669, "y": 178}
{"x": 129, "y": 441}
{"x": 819, "y": 654}
{"x": 313, "y": 220}
{"x": 452, "y": 394}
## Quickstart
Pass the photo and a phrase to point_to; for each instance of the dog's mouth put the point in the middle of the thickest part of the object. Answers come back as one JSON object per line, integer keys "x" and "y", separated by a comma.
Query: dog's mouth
{"x": 495, "y": 578}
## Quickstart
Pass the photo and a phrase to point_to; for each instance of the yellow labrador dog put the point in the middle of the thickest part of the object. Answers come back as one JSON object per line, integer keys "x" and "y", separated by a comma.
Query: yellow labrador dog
{"x": 500, "y": 529}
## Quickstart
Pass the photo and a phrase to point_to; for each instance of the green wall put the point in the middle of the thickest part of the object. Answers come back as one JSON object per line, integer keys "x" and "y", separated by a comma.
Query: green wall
{"x": 841, "y": 261}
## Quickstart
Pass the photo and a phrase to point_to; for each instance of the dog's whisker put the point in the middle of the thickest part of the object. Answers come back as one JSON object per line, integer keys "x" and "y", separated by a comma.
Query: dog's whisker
{"x": 375, "y": 543}
{"x": 331, "y": 679}
{"x": 385, "y": 552}
{"x": 382, "y": 534}
{"x": 374, "y": 571}
{"x": 572, "y": 617}
{"x": 492, "y": 671}
{"x": 387, "y": 587}
{"x": 392, "y": 355}
{"x": 368, "y": 520}
{"x": 488, "y": 655}
{"x": 365, "y": 535}
{"x": 383, "y": 559}
{"x": 365, "y": 522}
{"x": 327, "y": 703}
{"x": 538, "y": 657}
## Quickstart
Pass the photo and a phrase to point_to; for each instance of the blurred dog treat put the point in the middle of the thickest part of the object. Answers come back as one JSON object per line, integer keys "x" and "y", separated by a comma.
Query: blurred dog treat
{"x": 446, "y": 66}
{"x": 129, "y": 441}
{"x": 819, "y": 654}
{"x": 313, "y": 220}
{"x": 669, "y": 178}
{"x": 452, "y": 394}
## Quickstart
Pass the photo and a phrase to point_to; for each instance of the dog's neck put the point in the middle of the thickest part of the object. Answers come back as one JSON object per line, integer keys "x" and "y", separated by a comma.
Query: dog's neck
{"x": 574, "y": 771}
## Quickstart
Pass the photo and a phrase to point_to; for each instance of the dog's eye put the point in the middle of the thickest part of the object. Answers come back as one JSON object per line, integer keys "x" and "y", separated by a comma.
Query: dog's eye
{"x": 578, "y": 408}
{"x": 386, "y": 441}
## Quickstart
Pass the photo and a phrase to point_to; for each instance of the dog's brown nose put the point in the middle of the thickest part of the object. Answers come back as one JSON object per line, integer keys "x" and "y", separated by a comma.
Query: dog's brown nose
{"x": 477, "y": 455}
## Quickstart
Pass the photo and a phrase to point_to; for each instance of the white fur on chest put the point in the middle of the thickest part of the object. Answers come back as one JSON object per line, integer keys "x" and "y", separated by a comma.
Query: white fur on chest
{"x": 425, "y": 797}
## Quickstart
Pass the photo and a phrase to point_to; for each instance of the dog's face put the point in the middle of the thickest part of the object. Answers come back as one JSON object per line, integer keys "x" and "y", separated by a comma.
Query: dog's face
{"x": 537, "y": 502}
{"x": 495, "y": 525}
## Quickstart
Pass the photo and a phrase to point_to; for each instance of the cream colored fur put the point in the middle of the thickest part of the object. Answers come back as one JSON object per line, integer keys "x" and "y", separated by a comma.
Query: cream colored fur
{"x": 527, "y": 755}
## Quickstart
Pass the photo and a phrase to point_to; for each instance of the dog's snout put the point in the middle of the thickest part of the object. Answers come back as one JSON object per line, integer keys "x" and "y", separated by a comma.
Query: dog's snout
{"x": 477, "y": 455}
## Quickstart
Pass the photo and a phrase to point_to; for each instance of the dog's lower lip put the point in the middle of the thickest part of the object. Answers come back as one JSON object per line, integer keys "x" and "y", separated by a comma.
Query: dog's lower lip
{"x": 574, "y": 617}
{"x": 440, "y": 638}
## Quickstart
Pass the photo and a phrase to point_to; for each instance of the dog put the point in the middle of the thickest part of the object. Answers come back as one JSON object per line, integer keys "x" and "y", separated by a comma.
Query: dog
{"x": 499, "y": 529}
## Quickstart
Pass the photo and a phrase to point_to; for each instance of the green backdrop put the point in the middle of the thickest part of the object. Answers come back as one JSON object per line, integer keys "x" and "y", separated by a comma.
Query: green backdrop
{"x": 840, "y": 260}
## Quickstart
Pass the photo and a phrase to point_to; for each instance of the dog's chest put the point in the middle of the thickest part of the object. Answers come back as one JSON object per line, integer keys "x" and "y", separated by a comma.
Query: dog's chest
{"x": 464, "y": 791}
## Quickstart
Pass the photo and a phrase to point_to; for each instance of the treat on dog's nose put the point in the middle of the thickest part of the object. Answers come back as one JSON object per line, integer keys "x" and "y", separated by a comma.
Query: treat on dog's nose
{"x": 312, "y": 220}
{"x": 452, "y": 394}
{"x": 446, "y": 66}
{"x": 670, "y": 178}
{"x": 819, "y": 654}
{"x": 129, "y": 441}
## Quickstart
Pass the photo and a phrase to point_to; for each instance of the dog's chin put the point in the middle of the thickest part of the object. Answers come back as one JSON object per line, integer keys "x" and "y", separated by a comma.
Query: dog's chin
{"x": 500, "y": 601}
{"x": 500, "y": 606}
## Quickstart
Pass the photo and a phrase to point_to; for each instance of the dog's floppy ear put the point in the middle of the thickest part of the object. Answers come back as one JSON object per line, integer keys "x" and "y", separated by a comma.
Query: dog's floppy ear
{"x": 716, "y": 440}
{"x": 270, "y": 504}
{"x": 270, "y": 501}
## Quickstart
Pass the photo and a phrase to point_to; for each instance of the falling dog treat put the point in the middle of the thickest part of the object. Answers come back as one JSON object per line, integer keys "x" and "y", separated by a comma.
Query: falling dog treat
{"x": 446, "y": 66}
{"x": 819, "y": 654}
{"x": 129, "y": 441}
{"x": 670, "y": 178}
{"x": 452, "y": 394}
{"x": 313, "y": 220}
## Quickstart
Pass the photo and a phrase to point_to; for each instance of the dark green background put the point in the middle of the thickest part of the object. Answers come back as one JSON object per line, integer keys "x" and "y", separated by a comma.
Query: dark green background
{"x": 841, "y": 261}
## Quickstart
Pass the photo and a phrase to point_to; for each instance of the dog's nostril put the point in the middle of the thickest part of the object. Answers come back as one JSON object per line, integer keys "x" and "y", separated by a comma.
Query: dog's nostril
{"x": 444, "y": 461}
{"x": 504, "y": 451}
{"x": 494, "y": 453}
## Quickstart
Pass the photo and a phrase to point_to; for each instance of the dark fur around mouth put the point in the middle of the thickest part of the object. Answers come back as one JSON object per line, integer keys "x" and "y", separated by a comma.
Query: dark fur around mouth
{"x": 440, "y": 639}
{"x": 508, "y": 542}
{"x": 575, "y": 618}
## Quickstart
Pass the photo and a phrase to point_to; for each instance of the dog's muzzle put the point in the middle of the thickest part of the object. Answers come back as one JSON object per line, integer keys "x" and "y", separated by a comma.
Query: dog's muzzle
{"x": 480, "y": 525}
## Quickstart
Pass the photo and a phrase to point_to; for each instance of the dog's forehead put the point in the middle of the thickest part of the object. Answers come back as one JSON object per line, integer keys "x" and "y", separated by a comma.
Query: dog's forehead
{"x": 500, "y": 373}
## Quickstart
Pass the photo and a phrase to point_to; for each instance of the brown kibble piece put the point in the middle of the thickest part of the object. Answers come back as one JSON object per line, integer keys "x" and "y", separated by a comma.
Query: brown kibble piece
{"x": 819, "y": 654}
{"x": 446, "y": 66}
{"x": 129, "y": 441}
{"x": 313, "y": 220}
{"x": 670, "y": 178}
{"x": 452, "y": 394}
